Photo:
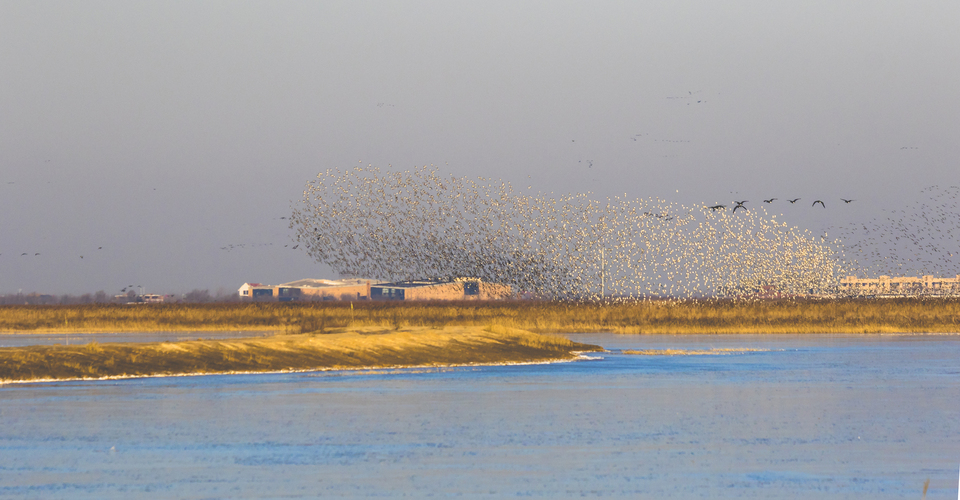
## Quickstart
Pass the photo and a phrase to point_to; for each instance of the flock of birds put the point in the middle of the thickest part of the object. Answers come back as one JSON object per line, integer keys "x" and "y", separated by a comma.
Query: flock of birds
{"x": 37, "y": 254}
{"x": 420, "y": 224}
{"x": 740, "y": 204}
{"x": 922, "y": 238}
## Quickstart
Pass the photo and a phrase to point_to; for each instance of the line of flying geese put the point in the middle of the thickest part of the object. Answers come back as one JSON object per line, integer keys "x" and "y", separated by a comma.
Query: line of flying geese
{"x": 740, "y": 204}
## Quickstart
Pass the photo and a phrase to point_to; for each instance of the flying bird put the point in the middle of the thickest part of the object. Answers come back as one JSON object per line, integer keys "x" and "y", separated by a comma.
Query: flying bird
{"x": 794, "y": 200}
{"x": 820, "y": 202}
{"x": 846, "y": 200}
{"x": 769, "y": 201}
{"x": 717, "y": 207}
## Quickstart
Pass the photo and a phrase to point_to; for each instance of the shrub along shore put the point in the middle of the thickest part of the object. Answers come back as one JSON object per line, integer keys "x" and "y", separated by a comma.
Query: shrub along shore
{"x": 357, "y": 349}
{"x": 921, "y": 315}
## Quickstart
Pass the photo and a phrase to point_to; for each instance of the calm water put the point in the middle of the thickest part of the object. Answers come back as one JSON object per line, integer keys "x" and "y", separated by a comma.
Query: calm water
{"x": 812, "y": 417}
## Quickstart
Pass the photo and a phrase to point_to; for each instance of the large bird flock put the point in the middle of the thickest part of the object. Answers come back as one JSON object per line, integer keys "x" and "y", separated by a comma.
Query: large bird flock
{"x": 917, "y": 239}
{"x": 420, "y": 224}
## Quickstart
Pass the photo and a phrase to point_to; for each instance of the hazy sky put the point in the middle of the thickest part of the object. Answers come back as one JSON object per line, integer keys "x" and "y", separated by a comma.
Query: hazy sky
{"x": 163, "y": 131}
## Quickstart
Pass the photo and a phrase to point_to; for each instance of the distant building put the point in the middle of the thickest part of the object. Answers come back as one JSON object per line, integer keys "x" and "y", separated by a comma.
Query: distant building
{"x": 308, "y": 289}
{"x": 458, "y": 289}
{"x": 256, "y": 291}
{"x": 362, "y": 289}
{"x": 907, "y": 285}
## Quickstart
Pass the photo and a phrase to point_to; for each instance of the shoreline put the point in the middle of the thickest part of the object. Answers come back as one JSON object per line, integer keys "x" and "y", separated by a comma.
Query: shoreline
{"x": 353, "y": 349}
{"x": 352, "y": 370}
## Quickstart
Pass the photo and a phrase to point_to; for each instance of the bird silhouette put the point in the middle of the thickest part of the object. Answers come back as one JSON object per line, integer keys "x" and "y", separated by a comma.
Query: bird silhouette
{"x": 820, "y": 202}
{"x": 847, "y": 201}
{"x": 717, "y": 207}
{"x": 769, "y": 201}
{"x": 794, "y": 200}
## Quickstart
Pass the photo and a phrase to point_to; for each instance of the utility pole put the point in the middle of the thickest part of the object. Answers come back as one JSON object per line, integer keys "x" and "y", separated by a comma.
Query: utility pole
{"x": 603, "y": 268}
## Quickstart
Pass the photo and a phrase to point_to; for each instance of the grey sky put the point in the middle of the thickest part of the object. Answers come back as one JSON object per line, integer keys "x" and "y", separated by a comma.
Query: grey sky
{"x": 163, "y": 131}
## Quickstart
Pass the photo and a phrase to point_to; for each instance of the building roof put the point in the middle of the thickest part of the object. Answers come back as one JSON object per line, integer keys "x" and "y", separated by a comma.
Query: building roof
{"x": 412, "y": 284}
{"x": 312, "y": 283}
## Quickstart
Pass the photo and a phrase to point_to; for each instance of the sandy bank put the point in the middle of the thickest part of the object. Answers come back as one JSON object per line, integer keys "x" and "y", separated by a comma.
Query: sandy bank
{"x": 358, "y": 348}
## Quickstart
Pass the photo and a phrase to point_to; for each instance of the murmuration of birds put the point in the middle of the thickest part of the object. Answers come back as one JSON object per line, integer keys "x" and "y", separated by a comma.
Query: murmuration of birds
{"x": 422, "y": 224}
{"x": 922, "y": 238}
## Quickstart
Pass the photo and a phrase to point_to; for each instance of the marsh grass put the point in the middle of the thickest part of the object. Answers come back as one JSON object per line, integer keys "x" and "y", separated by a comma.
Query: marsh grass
{"x": 673, "y": 317}
{"x": 369, "y": 347}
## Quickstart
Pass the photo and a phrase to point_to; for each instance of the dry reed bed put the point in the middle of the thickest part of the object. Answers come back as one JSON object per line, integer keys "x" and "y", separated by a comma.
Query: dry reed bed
{"x": 787, "y": 316}
{"x": 366, "y": 348}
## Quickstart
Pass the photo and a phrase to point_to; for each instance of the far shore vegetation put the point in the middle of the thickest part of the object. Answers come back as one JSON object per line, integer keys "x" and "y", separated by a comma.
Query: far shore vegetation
{"x": 361, "y": 348}
{"x": 912, "y": 315}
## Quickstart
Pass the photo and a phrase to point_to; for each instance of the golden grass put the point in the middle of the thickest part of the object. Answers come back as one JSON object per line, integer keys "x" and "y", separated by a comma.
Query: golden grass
{"x": 932, "y": 315}
{"x": 369, "y": 347}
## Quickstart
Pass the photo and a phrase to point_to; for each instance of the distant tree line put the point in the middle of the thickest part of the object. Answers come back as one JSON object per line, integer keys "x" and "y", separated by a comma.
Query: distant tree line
{"x": 195, "y": 296}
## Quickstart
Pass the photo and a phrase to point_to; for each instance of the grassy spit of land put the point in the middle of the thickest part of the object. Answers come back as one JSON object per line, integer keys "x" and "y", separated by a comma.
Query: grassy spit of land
{"x": 360, "y": 348}
{"x": 933, "y": 315}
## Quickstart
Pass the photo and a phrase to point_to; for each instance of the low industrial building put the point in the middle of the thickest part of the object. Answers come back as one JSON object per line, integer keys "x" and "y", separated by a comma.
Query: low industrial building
{"x": 457, "y": 289}
{"x": 906, "y": 285}
{"x": 308, "y": 289}
{"x": 361, "y": 289}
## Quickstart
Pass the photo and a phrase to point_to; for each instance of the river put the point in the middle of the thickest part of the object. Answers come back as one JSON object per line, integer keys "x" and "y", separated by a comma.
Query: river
{"x": 812, "y": 416}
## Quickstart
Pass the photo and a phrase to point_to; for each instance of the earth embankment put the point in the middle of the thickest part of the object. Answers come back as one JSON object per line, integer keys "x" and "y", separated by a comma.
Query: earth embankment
{"x": 349, "y": 349}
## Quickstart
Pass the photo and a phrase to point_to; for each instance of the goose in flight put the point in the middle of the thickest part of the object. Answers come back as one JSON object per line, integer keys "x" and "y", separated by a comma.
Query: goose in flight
{"x": 769, "y": 201}
{"x": 820, "y": 202}
{"x": 846, "y": 200}
{"x": 794, "y": 200}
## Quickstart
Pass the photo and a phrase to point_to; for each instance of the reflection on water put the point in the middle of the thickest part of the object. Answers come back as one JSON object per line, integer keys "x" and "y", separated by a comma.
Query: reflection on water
{"x": 19, "y": 340}
{"x": 812, "y": 417}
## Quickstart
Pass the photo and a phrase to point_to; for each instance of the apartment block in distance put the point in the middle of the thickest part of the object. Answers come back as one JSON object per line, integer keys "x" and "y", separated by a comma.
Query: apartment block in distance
{"x": 901, "y": 286}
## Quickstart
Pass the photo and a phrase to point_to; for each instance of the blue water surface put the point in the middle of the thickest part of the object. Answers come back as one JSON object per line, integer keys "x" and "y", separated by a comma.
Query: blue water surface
{"x": 825, "y": 416}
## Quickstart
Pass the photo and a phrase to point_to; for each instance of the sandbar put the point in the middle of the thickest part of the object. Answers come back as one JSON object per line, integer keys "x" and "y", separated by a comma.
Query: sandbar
{"x": 354, "y": 348}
